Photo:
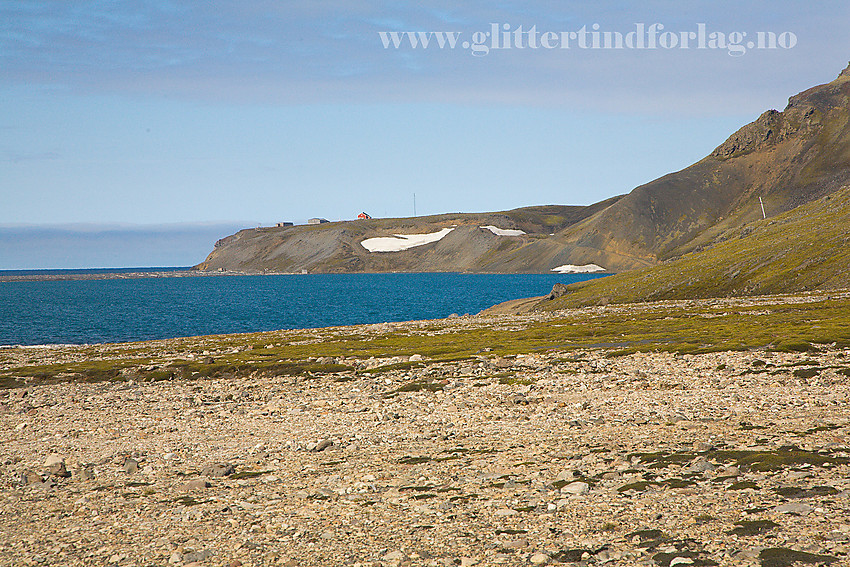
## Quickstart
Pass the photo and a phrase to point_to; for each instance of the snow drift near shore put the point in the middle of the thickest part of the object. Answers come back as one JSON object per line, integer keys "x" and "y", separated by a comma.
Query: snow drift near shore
{"x": 503, "y": 231}
{"x": 401, "y": 242}
{"x": 585, "y": 269}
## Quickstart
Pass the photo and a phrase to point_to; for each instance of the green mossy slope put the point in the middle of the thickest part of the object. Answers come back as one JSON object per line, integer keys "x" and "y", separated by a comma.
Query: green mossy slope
{"x": 807, "y": 248}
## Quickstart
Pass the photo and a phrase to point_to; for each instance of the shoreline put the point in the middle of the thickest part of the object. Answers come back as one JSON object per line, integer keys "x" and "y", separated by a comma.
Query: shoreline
{"x": 106, "y": 275}
{"x": 521, "y": 308}
{"x": 117, "y": 275}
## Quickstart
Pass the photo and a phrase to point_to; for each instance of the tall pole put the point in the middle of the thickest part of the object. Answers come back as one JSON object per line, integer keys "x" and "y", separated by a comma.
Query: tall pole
{"x": 414, "y": 204}
{"x": 764, "y": 216}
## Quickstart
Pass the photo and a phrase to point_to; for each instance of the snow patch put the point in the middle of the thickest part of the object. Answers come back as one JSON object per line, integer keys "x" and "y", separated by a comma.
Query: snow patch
{"x": 585, "y": 269}
{"x": 503, "y": 231}
{"x": 401, "y": 242}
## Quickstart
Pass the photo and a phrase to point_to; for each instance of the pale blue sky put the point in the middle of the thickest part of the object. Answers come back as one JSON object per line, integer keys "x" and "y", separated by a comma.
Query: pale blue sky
{"x": 259, "y": 111}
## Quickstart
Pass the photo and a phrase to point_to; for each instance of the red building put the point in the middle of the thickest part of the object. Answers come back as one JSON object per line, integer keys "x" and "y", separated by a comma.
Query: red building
{"x": 363, "y": 216}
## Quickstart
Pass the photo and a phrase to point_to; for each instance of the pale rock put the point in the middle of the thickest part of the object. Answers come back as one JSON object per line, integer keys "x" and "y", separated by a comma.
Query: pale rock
{"x": 800, "y": 508}
{"x": 566, "y": 474}
{"x": 577, "y": 487}
{"x": 394, "y": 556}
{"x": 54, "y": 459}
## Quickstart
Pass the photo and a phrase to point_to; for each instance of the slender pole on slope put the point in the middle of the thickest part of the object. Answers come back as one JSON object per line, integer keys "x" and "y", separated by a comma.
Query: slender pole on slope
{"x": 764, "y": 216}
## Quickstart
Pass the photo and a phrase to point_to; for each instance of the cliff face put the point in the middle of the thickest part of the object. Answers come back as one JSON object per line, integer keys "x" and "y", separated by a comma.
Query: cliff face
{"x": 787, "y": 158}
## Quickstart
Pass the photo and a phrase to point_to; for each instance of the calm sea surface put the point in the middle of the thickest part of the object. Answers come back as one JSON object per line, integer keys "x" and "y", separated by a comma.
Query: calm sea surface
{"x": 117, "y": 310}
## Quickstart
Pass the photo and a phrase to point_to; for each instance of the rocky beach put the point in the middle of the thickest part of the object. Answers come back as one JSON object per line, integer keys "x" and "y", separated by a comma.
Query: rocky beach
{"x": 399, "y": 452}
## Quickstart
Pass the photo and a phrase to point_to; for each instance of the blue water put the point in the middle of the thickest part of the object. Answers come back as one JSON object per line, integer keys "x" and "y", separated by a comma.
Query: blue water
{"x": 118, "y": 310}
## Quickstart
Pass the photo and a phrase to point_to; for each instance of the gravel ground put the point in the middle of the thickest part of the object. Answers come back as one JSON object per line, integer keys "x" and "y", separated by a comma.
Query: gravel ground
{"x": 730, "y": 458}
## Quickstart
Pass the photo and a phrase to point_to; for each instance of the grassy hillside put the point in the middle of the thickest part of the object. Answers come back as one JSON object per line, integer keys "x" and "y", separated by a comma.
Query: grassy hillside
{"x": 806, "y": 248}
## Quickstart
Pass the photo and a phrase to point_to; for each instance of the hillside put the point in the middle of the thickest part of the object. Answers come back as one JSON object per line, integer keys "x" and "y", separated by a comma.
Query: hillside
{"x": 757, "y": 259}
{"x": 786, "y": 159}
{"x": 337, "y": 246}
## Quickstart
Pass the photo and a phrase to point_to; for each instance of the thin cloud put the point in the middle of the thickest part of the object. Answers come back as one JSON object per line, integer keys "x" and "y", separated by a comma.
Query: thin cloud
{"x": 330, "y": 52}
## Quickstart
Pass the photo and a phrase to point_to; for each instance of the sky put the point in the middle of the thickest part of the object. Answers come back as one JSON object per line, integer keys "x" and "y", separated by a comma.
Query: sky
{"x": 163, "y": 116}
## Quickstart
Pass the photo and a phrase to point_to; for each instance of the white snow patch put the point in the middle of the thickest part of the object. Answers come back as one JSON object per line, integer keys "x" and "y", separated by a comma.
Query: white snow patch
{"x": 585, "y": 269}
{"x": 401, "y": 242}
{"x": 503, "y": 231}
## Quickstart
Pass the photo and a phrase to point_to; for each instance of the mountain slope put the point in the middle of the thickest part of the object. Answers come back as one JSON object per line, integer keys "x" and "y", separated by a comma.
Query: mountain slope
{"x": 787, "y": 158}
{"x": 804, "y": 249}
{"x": 783, "y": 160}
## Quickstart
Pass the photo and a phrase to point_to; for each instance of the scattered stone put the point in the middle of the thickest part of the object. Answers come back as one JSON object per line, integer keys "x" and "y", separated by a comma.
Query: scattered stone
{"x": 558, "y": 290}
{"x": 566, "y": 474}
{"x": 394, "y": 556}
{"x": 84, "y": 473}
{"x": 30, "y": 477}
{"x": 196, "y": 484}
{"x": 515, "y": 544}
{"x": 218, "y": 470}
{"x": 540, "y": 558}
{"x": 702, "y": 465}
{"x": 58, "y": 470}
{"x": 577, "y": 487}
{"x": 799, "y": 508}
{"x": 197, "y": 556}
{"x": 54, "y": 459}
{"x": 131, "y": 465}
